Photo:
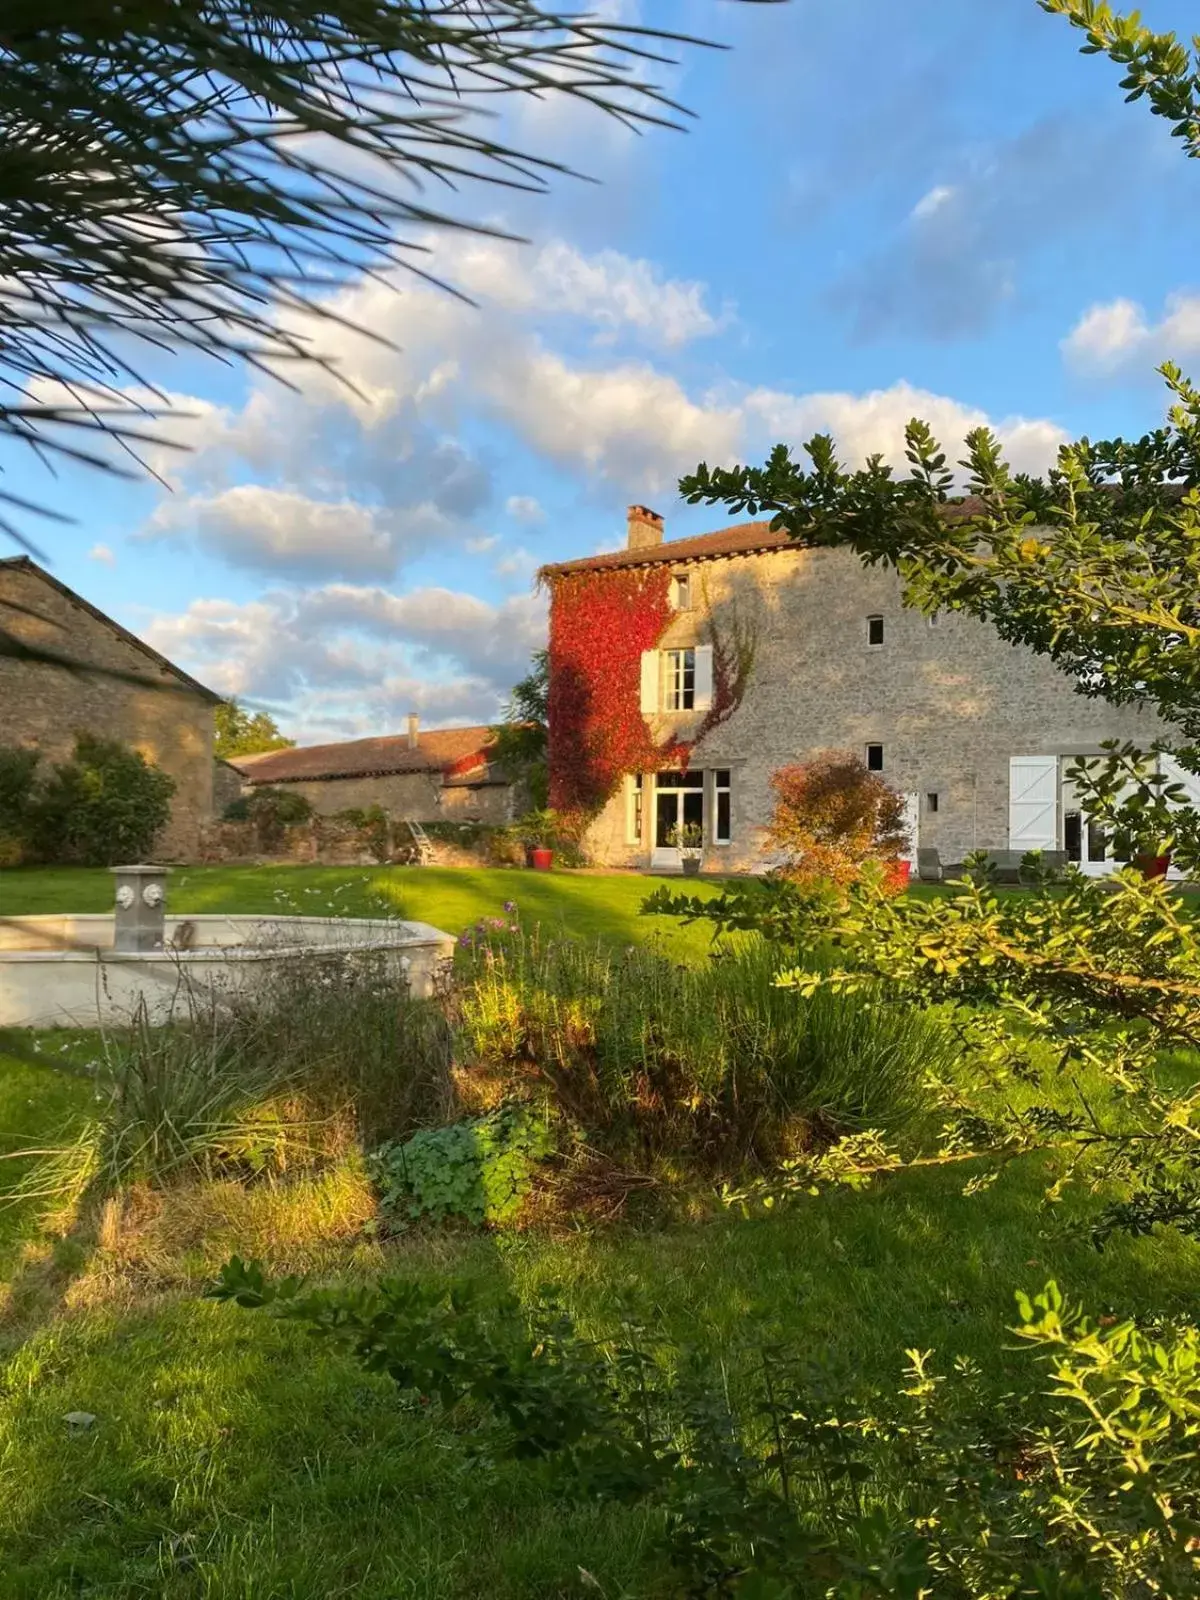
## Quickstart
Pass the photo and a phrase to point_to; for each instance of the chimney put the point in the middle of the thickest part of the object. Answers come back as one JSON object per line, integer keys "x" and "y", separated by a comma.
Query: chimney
{"x": 645, "y": 528}
{"x": 414, "y": 722}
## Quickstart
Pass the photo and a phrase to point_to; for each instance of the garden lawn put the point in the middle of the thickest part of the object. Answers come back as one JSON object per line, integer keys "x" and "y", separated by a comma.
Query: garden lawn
{"x": 234, "y": 1457}
{"x": 597, "y": 905}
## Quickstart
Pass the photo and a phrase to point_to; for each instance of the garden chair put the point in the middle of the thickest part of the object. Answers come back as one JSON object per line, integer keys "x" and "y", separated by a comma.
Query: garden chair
{"x": 929, "y": 865}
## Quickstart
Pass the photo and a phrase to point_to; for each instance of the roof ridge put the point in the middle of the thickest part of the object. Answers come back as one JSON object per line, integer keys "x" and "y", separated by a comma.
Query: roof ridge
{"x": 27, "y": 564}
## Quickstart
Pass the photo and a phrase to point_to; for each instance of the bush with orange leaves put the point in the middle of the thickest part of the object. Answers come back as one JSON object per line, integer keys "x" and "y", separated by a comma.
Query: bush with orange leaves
{"x": 831, "y": 817}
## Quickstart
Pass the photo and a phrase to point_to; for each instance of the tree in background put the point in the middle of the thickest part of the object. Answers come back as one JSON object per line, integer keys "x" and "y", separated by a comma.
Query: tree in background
{"x": 186, "y": 177}
{"x": 520, "y": 741}
{"x": 246, "y": 733}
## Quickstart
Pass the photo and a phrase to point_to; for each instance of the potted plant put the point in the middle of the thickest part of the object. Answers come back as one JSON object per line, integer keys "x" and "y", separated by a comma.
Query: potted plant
{"x": 1138, "y": 806}
{"x": 537, "y": 829}
{"x": 688, "y": 839}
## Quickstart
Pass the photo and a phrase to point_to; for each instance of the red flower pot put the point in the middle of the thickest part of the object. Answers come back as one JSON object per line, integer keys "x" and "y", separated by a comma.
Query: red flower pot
{"x": 898, "y": 875}
{"x": 1152, "y": 866}
{"x": 542, "y": 859}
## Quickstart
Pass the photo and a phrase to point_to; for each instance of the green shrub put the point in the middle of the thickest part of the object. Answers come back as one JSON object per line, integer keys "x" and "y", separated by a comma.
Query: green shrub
{"x": 715, "y": 1059}
{"x": 481, "y": 1169}
{"x": 18, "y": 798}
{"x": 762, "y": 1479}
{"x": 375, "y": 823}
{"x": 107, "y": 804}
{"x": 271, "y": 811}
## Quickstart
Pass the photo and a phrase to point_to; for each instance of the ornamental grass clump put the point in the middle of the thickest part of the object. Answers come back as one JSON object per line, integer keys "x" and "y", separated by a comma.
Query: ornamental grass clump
{"x": 714, "y": 1062}
{"x": 322, "y": 1055}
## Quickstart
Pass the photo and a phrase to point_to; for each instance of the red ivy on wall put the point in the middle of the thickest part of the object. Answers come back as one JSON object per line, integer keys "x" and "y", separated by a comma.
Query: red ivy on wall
{"x": 600, "y": 623}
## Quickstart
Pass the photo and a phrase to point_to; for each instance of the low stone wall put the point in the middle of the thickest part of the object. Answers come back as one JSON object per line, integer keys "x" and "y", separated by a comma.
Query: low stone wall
{"x": 323, "y": 840}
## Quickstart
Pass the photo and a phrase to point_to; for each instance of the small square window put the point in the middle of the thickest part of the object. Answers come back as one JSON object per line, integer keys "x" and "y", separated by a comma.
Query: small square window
{"x": 931, "y": 800}
{"x": 874, "y": 758}
{"x": 683, "y": 591}
{"x": 934, "y": 619}
{"x": 875, "y": 630}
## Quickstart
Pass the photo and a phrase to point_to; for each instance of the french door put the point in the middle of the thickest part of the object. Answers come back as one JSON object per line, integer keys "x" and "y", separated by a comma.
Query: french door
{"x": 678, "y": 803}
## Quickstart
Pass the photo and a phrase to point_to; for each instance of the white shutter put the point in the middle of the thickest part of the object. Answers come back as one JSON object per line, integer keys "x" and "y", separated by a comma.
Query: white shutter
{"x": 1033, "y": 803}
{"x": 912, "y": 821}
{"x": 704, "y": 677}
{"x": 649, "y": 682}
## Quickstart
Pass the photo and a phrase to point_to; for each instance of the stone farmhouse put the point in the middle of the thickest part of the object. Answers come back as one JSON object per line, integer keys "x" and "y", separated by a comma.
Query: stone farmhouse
{"x": 741, "y": 652}
{"x": 443, "y": 774}
{"x": 67, "y": 668}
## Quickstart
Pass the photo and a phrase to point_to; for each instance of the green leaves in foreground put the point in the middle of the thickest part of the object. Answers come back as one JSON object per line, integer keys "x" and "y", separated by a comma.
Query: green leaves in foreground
{"x": 1084, "y": 1484}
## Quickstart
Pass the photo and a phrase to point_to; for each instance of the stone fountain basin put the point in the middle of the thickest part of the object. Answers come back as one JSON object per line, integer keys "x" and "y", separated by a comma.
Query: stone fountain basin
{"x": 61, "y": 971}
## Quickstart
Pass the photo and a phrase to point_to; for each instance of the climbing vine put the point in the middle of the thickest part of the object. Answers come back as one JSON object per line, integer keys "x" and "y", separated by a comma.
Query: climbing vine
{"x": 600, "y": 623}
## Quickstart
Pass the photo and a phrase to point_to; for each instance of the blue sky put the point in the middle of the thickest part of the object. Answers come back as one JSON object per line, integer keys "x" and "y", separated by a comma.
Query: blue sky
{"x": 938, "y": 208}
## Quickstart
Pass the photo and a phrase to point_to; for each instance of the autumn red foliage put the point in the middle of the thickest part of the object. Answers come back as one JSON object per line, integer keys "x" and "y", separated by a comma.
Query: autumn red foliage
{"x": 832, "y": 816}
{"x": 600, "y": 623}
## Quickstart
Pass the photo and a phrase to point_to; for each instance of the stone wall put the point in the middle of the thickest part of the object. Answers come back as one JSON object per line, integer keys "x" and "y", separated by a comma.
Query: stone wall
{"x": 227, "y": 786}
{"x": 419, "y": 796}
{"x": 132, "y": 699}
{"x": 950, "y": 703}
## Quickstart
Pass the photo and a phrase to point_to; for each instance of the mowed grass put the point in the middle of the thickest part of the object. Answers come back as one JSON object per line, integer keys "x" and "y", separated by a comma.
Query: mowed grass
{"x": 234, "y": 1457}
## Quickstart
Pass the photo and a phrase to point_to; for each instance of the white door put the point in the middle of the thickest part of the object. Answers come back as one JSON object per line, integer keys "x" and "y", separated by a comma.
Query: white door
{"x": 678, "y": 803}
{"x": 1033, "y": 803}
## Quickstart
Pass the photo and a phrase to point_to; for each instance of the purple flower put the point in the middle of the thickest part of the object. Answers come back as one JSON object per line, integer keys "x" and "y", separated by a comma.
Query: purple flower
{"x": 511, "y": 907}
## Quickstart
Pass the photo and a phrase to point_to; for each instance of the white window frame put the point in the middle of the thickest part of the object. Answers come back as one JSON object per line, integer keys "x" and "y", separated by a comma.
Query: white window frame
{"x": 876, "y": 644}
{"x": 635, "y": 792}
{"x": 882, "y": 757}
{"x": 679, "y": 679}
{"x": 681, "y": 591}
{"x": 718, "y": 789}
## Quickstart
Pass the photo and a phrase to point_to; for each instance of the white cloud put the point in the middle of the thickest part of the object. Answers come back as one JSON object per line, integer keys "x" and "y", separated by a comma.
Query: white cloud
{"x": 481, "y": 546}
{"x": 346, "y": 660}
{"x": 275, "y": 530}
{"x": 941, "y": 194}
{"x": 101, "y": 553}
{"x": 518, "y": 562}
{"x": 1118, "y": 336}
{"x": 524, "y": 508}
{"x": 873, "y": 423}
{"x": 609, "y": 289}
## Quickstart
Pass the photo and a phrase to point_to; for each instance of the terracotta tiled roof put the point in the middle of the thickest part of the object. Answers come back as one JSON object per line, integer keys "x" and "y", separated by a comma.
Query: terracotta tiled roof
{"x": 745, "y": 536}
{"x": 741, "y": 539}
{"x": 452, "y": 751}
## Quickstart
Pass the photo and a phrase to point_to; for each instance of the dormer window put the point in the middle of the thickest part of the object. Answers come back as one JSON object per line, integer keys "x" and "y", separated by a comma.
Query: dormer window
{"x": 681, "y": 591}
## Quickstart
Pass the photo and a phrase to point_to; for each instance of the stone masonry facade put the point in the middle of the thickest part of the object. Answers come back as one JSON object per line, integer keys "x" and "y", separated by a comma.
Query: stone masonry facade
{"x": 949, "y": 701}
{"x": 422, "y": 796}
{"x": 136, "y": 696}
